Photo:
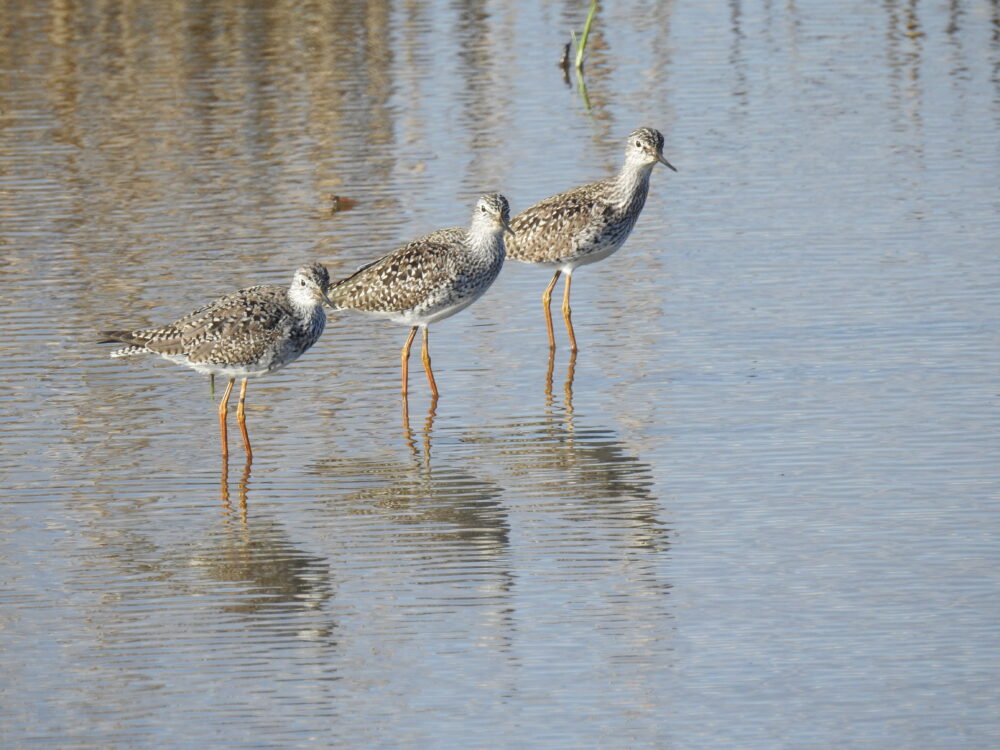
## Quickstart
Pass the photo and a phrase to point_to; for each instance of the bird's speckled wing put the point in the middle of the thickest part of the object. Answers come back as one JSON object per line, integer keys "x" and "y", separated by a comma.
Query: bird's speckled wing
{"x": 405, "y": 278}
{"x": 557, "y": 227}
{"x": 236, "y": 329}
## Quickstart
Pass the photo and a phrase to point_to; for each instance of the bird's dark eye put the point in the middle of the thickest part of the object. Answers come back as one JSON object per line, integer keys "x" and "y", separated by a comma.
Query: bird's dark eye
{"x": 638, "y": 144}
{"x": 302, "y": 282}
{"x": 483, "y": 209}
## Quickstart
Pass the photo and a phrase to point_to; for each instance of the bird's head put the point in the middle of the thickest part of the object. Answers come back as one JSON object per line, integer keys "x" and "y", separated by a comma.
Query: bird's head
{"x": 493, "y": 209}
{"x": 310, "y": 284}
{"x": 645, "y": 146}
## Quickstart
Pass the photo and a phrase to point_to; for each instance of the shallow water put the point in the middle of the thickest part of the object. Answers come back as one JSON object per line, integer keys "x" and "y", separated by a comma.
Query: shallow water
{"x": 759, "y": 509}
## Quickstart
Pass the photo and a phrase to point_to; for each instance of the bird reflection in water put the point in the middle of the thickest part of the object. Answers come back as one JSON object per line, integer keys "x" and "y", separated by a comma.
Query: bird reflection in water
{"x": 408, "y": 435}
{"x": 265, "y": 576}
{"x": 241, "y": 489}
{"x": 559, "y": 455}
{"x": 444, "y": 499}
{"x": 567, "y": 386}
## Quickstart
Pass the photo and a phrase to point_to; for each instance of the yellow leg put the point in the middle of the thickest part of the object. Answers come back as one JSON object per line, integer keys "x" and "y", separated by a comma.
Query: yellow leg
{"x": 241, "y": 418}
{"x": 223, "y": 411}
{"x": 407, "y": 432}
{"x": 548, "y": 377}
{"x": 224, "y": 485}
{"x": 425, "y": 355}
{"x": 428, "y": 426}
{"x": 244, "y": 487}
{"x": 546, "y": 305}
{"x": 570, "y": 372}
{"x": 405, "y": 356}
{"x": 567, "y": 315}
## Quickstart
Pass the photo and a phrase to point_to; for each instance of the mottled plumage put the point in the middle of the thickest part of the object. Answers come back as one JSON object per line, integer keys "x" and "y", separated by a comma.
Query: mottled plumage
{"x": 248, "y": 333}
{"x": 423, "y": 279}
{"x": 588, "y": 223}
{"x": 433, "y": 277}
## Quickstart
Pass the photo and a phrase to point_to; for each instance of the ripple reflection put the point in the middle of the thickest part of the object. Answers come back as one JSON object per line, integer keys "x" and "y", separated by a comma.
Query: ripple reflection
{"x": 266, "y": 572}
{"x": 563, "y": 464}
{"x": 242, "y": 489}
{"x": 450, "y": 501}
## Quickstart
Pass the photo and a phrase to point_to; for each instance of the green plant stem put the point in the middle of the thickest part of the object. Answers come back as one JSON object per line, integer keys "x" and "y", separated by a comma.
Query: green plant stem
{"x": 586, "y": 32}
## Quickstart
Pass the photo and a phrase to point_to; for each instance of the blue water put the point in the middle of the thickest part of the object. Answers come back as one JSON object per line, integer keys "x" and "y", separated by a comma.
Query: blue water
{"x": 759, "y": 509}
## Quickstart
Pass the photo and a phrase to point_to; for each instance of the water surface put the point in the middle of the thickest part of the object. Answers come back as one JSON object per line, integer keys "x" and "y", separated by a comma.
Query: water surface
{"x": 759, "y": 509}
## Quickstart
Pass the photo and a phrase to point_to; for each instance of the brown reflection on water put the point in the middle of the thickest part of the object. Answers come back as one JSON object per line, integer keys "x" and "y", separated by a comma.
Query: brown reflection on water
{"x": 590, "y": 460}
{"x": 162, "y": 153}
{"x": 408, "y": 435}
{"x": 582, "y": 472}
{"x": 593, "y": 83}
{"x": 206, "y": 116}
{"x": 488, "y": 107}
{"x": 567, "y": 384}
{"x": 418, "y": 492}
{"x": 995, "y": 38}
{"x": 242, "y": 488}
{"x": 737, "y": 59}
{"x": 904, "y": 54}
{"x": 133, "y": 584}
{"x": 272, "y": 573}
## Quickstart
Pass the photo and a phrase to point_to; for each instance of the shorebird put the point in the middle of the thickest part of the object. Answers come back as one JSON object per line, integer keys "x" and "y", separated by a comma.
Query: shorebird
{"x": 588, "y": 223}
{"x": 252, "y": 332}
{"x": 431, "y": 278}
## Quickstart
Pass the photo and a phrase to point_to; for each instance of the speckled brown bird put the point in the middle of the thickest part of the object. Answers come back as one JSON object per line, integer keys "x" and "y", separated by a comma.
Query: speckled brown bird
{"x": 588, "y": 223}
{"x": 252, "y": 332}
{"x": 431, "y": 278}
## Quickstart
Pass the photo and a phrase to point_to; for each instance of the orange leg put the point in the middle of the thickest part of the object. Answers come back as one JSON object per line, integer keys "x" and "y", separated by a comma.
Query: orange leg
{"x": 546, "y": 305}
{"x": 570, "y": 372}
{"x": 425, "y": 355}
{"x": 405, "y": 356}
{"x": 548, "y": 377}
{"x": 407, "y": 432}
{"x": 223, "y": 411}
{"x": 567, "y": 315}
{"x": 241, "y": 418}
{"x": 224, "y": 485}
{"x": 428, "y": 426}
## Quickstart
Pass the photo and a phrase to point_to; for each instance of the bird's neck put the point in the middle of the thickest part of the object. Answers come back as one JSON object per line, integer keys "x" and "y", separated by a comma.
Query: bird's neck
{"x": 630, "y": 185}
{"x": 312, "y": 317}
{"x": 485, "y": 240}
{"x": 308, "y": 309}
{"x": 302, "y": 300}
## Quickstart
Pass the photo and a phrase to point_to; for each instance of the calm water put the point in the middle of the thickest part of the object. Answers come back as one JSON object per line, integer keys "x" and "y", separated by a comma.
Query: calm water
{"x": 759, "y": 510}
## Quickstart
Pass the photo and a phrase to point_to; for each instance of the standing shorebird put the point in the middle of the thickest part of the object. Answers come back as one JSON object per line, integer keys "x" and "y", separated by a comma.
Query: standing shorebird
{"x": 588, "y": 223}
{"x": 248, "y": 333}
{"x": 431, "y": 278}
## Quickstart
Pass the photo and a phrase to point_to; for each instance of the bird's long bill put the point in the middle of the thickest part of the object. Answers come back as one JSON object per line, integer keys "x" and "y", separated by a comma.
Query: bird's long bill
{"x": 662, "y": 159}
{"x": 327, "y": 300}
{"x": 506, "y": 226}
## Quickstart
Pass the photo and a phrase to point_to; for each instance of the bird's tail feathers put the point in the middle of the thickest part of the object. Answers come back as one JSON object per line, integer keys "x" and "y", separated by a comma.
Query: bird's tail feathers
{"x": 123, "y": 337}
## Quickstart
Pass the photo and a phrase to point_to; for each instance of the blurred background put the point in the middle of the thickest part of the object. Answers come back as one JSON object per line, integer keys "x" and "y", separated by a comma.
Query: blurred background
{"x": 759, "y": 509}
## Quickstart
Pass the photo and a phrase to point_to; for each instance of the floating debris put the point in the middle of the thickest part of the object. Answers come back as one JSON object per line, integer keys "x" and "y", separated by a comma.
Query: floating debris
{"x": 338, "y": 203}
